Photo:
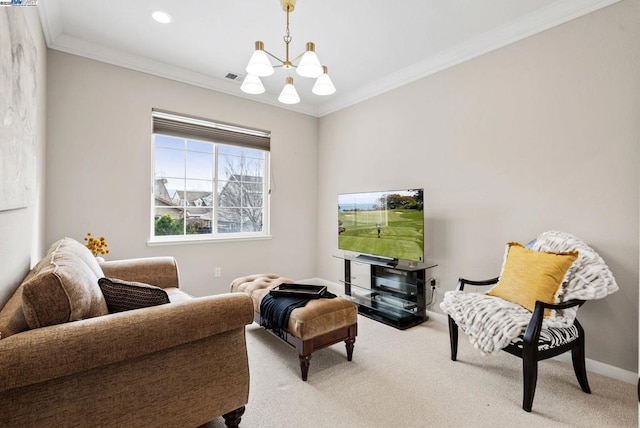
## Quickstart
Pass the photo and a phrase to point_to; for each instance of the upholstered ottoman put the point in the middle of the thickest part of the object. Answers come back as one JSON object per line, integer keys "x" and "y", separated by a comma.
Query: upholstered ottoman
{"x": 320, "y": 323}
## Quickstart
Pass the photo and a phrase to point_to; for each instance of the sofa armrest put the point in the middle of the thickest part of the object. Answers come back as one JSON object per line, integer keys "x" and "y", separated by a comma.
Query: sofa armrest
{"x": 159, "y": 271}
{"x": 50, "y": 352}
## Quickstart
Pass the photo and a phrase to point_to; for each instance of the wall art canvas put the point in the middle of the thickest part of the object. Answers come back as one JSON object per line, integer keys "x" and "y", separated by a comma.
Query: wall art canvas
{"x": 18, "y": 109}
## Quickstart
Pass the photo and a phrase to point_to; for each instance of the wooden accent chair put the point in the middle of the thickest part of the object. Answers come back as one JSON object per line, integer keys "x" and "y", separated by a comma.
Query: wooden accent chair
{"x": 533, "y": 347}
{"x": 513, "y": 317}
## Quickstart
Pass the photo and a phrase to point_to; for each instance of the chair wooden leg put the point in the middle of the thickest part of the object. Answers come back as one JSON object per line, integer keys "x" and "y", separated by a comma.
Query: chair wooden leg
{"x": 530, "y": 377}
{"x": 453, "y": 338}
{"x": 577, "y": 355}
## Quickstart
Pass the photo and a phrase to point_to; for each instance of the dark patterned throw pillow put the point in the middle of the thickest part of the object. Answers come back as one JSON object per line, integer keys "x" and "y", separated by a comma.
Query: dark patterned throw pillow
{"x": 127, "y": 295}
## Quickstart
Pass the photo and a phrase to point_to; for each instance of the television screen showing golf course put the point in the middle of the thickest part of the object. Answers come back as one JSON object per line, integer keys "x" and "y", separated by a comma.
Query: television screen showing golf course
{"x": 388, "y": 224}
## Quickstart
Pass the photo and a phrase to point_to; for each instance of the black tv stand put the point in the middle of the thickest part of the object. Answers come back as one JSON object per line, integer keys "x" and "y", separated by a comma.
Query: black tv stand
{"x": 366, "y": 258}
{"x": 394, "y": 294}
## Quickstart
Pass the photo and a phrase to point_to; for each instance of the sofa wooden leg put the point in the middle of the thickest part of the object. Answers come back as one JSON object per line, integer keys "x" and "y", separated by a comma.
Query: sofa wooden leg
{"x": 304, "y": 365}
{"x": 232, "y": 419}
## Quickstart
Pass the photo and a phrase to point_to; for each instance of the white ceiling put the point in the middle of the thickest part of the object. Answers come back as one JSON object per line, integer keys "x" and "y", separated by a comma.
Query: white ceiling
{"x": 369, "y": 46}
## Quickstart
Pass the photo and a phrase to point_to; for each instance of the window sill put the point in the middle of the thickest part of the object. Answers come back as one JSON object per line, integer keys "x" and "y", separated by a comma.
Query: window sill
{"x": 181, "y": 240}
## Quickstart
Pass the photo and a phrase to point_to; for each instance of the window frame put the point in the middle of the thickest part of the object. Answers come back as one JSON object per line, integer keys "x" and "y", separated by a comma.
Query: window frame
{"x": 214, "y": 235}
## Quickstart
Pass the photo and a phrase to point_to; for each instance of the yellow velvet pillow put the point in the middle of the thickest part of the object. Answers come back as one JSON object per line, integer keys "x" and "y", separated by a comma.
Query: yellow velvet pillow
{"x": 528, "y": 276}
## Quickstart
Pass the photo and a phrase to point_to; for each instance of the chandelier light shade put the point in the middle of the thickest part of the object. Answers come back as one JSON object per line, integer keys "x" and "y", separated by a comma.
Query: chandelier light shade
{"x": 252, "y": 85}
{"x": 309, "y": 63}
{"x": 324, "y": 85}
{"x": 259, "y": 64}
{"x": 309, "y": 66}
{"x": 289, "y": 95}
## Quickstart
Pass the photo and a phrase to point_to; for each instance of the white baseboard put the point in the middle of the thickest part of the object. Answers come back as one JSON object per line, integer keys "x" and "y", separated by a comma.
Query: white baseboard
{"x": 593, "y": 366}
{"x": 437, "y": 316}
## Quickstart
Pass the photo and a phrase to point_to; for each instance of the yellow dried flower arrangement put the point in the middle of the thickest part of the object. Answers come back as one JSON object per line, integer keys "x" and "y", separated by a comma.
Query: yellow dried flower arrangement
{"x": 96, "y": 245}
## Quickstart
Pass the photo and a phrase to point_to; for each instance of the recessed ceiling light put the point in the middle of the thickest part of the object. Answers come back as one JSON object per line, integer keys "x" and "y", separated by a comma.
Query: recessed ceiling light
{"x": 161, "y": 17}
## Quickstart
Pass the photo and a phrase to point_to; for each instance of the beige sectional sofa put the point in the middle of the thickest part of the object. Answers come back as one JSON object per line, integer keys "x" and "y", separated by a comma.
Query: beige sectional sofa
{"x": 65, "y": 361}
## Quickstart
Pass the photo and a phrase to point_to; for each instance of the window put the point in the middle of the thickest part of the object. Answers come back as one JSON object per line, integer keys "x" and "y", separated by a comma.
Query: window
{"x": 210, "y": 180}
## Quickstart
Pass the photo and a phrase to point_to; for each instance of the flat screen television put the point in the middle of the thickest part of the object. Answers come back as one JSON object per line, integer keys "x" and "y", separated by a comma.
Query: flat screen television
{"x": 387, "y": 224}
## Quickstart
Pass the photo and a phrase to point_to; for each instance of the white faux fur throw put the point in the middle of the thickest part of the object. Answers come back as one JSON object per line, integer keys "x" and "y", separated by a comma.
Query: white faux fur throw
{"x": 492, "y": 323}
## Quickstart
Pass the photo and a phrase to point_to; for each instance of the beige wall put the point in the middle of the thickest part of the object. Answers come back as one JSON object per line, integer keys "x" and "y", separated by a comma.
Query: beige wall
{"x": 22, "y": 230}
{"x": 540, "y": 135}
{"x": 99, "y": 170}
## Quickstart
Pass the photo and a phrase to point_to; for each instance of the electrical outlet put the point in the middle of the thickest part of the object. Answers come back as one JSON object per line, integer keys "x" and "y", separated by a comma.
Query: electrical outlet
{"x": 434, "y": 283}
{"x": 218, "y": 272}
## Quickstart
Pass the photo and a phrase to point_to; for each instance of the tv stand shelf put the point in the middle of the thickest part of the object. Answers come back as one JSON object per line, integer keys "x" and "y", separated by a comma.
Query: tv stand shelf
{"x": 390, "y": 291}
{"x": 364, "y": 258}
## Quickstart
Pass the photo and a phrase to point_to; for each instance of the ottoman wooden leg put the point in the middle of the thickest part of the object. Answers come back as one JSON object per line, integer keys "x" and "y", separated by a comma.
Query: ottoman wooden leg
{"x": 304, "y": 365}
{"x": 349, "y": 343}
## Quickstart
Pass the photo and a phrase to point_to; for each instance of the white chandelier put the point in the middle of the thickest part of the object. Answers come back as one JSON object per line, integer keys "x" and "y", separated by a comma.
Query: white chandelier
{"x": 309, "y": 66}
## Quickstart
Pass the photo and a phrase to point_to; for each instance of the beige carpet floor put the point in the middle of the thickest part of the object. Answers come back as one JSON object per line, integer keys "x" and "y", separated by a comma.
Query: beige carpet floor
{"x": 406, "y": 379}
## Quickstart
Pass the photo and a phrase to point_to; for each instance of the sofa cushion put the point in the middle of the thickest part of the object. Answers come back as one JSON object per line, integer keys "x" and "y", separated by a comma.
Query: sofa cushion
{"x": 63, "y": 286}
{"x": 177, "y": 295}
{"x": 128, "y": 295}
{"x": 11, "y": 317}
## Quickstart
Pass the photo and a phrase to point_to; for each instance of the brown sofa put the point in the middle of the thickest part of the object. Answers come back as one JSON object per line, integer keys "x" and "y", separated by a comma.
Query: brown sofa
{"x": 65, "y": 361}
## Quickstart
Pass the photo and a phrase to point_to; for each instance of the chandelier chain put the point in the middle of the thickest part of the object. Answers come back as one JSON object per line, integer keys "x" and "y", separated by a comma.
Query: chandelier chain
{"x": 287, "y": 39}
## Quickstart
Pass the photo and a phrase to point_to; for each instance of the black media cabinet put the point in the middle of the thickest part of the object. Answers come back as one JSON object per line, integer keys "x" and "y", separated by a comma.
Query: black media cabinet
{"x": 391, "y": 292}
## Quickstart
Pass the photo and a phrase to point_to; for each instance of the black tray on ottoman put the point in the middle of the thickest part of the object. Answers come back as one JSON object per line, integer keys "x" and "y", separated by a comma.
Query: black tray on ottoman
{"x": 299, "y": 290}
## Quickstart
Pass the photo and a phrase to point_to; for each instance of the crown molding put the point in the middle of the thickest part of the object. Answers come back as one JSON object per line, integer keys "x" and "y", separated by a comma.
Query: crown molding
{"x": 533, "y": 23}
{"x": 540, "y": 20}
{"x": 72, "y": 45}
{"x": 51, "y": 21}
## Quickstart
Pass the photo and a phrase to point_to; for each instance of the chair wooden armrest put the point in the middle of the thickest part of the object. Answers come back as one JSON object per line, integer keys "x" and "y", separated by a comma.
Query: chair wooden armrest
{"x": 462, "y": 282}
{"x": 532, "y": 333}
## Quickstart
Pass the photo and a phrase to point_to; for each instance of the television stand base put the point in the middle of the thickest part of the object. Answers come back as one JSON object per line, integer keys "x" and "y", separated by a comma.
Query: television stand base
{"x": 392, "y": 294}
{"x": 401, "y": 323}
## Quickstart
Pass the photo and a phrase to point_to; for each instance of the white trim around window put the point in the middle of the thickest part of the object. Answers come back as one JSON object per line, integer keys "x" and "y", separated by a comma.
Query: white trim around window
{"x": 210, "y": 181}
